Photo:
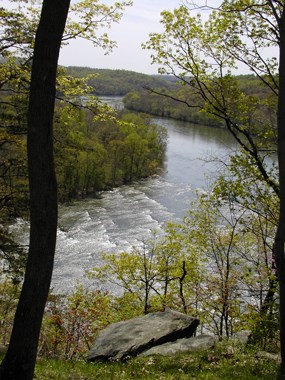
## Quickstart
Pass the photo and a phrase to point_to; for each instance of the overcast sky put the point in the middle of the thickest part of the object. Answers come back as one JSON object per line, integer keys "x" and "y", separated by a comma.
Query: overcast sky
{"x": 138, "y": 21}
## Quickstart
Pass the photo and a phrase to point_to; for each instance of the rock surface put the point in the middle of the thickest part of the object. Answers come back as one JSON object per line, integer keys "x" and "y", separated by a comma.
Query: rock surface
{"x": 242, "y": 336}
{"x": 121, "y": 340}
{"x": 269, "y": 355}
{"x": 197, "y": 343}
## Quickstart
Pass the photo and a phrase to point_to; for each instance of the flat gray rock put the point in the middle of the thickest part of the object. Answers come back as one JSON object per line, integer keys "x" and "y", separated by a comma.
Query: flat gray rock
{"x": 122, "y": 340}
{"x": 194, "y": 344}
{"x": 269, "y": 355}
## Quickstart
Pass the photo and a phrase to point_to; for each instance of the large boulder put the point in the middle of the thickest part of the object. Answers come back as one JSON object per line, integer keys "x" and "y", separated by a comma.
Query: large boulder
{"x": 194, "y": 344}
{"x": 122, "y": 340}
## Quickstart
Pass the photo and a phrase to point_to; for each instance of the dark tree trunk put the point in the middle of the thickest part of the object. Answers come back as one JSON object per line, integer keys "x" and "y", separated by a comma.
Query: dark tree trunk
{"x": 181, "y": 287}
{"x": 280, "y": 234}
{"x": 268, "y": 302}
{"x": 20, "y": 359}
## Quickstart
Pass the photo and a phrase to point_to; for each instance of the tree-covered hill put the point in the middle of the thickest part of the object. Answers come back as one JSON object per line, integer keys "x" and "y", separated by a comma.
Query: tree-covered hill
{"x": 135, "y": 87}
{"x": 119, "y": 82}
{"x": 181, "y": 102}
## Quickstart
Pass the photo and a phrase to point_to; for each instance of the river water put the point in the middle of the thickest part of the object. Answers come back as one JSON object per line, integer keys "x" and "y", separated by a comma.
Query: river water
{"x": 126, "y": 216}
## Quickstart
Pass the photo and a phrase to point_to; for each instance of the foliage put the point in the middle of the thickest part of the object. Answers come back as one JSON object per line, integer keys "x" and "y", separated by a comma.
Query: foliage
{"x": 71, "y": 323}
{"x": 162, "y": 273}
{"x": 154, "y": 104}
{"x": 202, "y": 59}
{"x": 13, "y": 168}
{"x": 85, "y": 19}
{"x": 9, "y": 293}
{"x": 93, "y": 154}
{"x": 183, "y": 103}
{"x": 240, "y": 268}
{"x": 19, "y": 21}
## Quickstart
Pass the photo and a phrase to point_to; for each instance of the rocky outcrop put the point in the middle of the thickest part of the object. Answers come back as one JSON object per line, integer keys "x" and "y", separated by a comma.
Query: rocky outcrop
{"x": 122, "y": 340}
{"x": 194, "y": 344}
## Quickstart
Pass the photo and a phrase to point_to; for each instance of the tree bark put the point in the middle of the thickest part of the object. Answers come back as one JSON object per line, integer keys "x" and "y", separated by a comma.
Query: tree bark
{"x": 20, "y": 358}
{"x": 280, "y": 234}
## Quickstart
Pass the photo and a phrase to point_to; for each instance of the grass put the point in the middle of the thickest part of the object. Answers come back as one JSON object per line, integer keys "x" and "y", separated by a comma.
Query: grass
{"x": 240, "y": 364}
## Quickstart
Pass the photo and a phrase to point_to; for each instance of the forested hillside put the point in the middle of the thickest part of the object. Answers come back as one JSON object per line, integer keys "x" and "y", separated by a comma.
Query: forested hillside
{"x": 142, "y": 93}
{"x": 119, "y": 82}
{"x": 182, "y": 102}
{"x": 91, "y": 154}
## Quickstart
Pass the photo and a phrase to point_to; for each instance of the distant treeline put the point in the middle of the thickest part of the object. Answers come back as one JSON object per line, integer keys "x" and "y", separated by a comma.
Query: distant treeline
{"x": 136, "y": 89}
{"x": 188, "y": 107}
{"x": 119, "y": 82}
{"x": 164, "y": 106}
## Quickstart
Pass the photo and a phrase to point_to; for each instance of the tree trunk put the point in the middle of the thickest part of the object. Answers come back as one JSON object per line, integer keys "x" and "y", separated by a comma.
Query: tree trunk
{"x": 181, "y": 287}
{"x": 280, "y": 234}
{"x": 20, "y": 359}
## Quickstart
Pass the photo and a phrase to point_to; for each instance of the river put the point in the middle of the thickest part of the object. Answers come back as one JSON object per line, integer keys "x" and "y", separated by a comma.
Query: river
{"x": 126, "y": 216}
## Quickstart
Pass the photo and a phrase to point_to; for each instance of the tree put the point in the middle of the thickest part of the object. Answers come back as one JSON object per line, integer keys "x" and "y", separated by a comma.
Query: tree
{"x": 280, "y": 234}
{"x": 71, "y": 323}
{"x": 196, "y": 57}
{"x": 239, "y": 279}
{"x": 202, "y": 56}
{"x": 19, "y": 361}
{"x": 163, "y": 273}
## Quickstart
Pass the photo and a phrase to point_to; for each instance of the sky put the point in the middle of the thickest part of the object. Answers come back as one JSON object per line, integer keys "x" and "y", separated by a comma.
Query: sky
{"x": 134, "y": 28}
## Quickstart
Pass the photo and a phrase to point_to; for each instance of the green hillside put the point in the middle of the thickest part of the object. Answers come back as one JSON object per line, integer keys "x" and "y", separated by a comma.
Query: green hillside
{"x": 119, "y": 82}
